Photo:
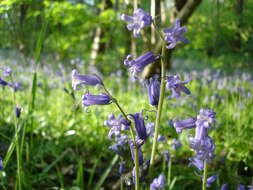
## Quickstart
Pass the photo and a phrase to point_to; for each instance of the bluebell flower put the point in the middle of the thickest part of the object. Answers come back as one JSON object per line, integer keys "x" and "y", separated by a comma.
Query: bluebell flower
{"x": 139, "y": 20}
{"x": 224, "y": 187}
{"x": 1, "y": 164}
{"x": 153, "y": 91}
{"x": 117, "y": 149}
{"x": 150, "y": 129}
{"x": 176, "y": 144}
{"x": 16, "y": 86}
{"x": 120, "y": 145}
{"x": 122, "y": 140}
{"x": 116, "y": 125}
{"x": 84, "y": 80}
{"x": 138, "y": 64}
{"x": 122, "y": 168}
{"x": 18, "y": 112}
{"x": 241, "y": 187}
{"x": 101, "y": 99}
{"x": 158, "y": 183}
{"x": 205, "y": 118}
{"x": 184, "y": 124}
{"x": 177, "y": 86}
{"x": 140, "y": 154}
{"x": 210, "y": 180}
{"x": 204, "y": 147}
{"x": 175, "y": 34}
{"x": 3, "y": 82}
{"x": 202, "y": 143}
{"x": 161, "y": 138}
{"x": 197, "y": 163}
{"x": 166, "y": 156}
{"x": 140, "y": 126}
{"x": 7, "y": 71}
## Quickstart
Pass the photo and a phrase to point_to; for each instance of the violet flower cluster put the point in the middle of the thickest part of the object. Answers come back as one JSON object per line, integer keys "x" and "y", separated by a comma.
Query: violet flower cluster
{"x": 89, "y": 99}
{"x": 175, "y": 34}
{"x": 139, "y": 20}
{"x": 138, "y": 64}
{"x": 201, "y": 143}
{"x": 7, "y": 72}
{"x": 158, "y": 183}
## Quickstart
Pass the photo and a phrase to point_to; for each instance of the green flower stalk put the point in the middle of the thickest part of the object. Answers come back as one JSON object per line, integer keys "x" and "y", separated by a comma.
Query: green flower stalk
{"x": 136, "y": 150}
{"x": 160, "y": 105}
{"x": 204, "y": 176}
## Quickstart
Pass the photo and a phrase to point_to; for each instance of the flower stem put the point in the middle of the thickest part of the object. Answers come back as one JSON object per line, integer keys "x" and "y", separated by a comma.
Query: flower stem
{"x": 169, "y": 173}
{"x": 136, "y": 156}
{"x": 121, "y": 184}
{"x": 204, "y": 176}
{"x": 16, "y": 139}
{"x": 157, "y": 30}
{"x": 136, "y": 159}
{"x": 160, "y": 105}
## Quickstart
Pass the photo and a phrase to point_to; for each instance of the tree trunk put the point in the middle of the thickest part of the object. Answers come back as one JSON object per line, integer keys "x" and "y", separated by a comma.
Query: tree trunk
{"x": 238, "y": 12}
{"x": 163, "y": 12}
{"x": 155, "y": 13}
{"x": 133, "y": 40}
{"x": 98, "y": 46}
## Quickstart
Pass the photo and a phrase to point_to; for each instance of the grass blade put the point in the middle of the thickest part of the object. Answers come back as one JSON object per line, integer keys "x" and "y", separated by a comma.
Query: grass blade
{"x": 106, "y": 173}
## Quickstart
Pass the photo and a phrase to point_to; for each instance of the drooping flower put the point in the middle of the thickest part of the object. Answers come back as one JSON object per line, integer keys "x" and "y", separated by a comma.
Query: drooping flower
{"x": 241, "y": 187}
{"x": 204, "y": 149}
{"x": 150, "y": 129}
{"x": 175, "y": 34}
{"x": 122, "y": 168}
{"x": 6, "y": 71}
{"x": 185, "y": 124}
{"x": 116, "y": 125}
{"x": 161, "y": 138}
{"x": 140, "y": 154}
{"x": 120, "y": 146}
{"x": 210, "y": 180}
{"x": 139, "y": 20}
{"x": 117, "y": 149}
{"x": 122, "y": 140}
{"x": 202, "y": 143}
{"x": 224, "y": 187}
{"x": 205, "y": 118}
{"x": 15, "y": 85}
{"x": 153, "y": 91}
{"x": 158, "y": 183}
{"x": 18, "y": 112}
{"x": 177, "y": 86}
{"x": 1, "y": 164}
{"x": 176, "y": 144}
{"x": 101, "y": 99}
{"x": 138, "y": 64}
{"x": 3, "y": 82}
{"x": 140, "y": 126}
{"x": 197, "y": 163}
{"x": 166, "y": 156}
{"x": 84, "y": 80}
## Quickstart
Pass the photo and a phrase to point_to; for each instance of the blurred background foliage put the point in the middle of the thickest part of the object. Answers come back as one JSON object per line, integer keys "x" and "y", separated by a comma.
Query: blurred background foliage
{"x": 219, "y": 31}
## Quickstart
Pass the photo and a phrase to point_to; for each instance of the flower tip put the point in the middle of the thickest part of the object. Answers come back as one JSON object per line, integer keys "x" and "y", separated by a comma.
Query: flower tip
{"x": 74, "y": 72}
{"x": 122, "y": 16}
